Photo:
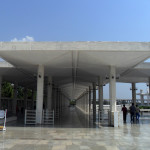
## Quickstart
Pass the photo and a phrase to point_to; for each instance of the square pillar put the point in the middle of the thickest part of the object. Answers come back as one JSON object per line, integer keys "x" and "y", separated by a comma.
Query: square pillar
{"x": 112, "y": 96}
{"x": 33, "y": 92}
{"x": 94, "y": 102}
{"x": 100, "y": 93}
{"x": 25, "y": 98}
{"x": 133, "y": 94}
{"x": 0, "y": 92}
{"x": 112, "y": 88}
{"x": 149, "y": 85}
{"x": 89, "y": 99}
{"x": 40, "y": 89}
{"x": 55, "y": 100}
{"x": 49, "y": 93}
{"x": 14, "y": 102}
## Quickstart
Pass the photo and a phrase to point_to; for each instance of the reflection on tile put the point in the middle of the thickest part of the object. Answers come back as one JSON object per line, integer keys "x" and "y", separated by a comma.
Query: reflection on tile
{"x": 78, "y": 137}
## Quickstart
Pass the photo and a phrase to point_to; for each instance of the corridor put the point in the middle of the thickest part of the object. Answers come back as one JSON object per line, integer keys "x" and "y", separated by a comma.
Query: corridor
{"x": 72, "y": 117}
{"x": 72, "y": 132}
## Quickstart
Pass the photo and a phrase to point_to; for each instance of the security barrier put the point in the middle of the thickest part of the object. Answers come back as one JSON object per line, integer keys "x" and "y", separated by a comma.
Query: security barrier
{"x": 57, "y": 114}
{"x": 48, "y": 117}
{"x": 103, "y": 117}
{"x": 30, "y": 117}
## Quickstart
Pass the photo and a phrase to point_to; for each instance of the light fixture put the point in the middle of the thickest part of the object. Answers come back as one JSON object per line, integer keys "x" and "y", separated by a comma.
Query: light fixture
{"x": 106, "y": 77}
{"x": 134, "y": 89}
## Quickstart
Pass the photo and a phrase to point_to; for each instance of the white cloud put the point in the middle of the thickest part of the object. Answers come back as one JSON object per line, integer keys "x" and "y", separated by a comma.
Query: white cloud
{"x": 25, "y": 39}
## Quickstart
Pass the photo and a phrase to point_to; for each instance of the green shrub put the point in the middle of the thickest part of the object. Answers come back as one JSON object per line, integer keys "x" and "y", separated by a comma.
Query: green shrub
{"x": 144, "y": 107}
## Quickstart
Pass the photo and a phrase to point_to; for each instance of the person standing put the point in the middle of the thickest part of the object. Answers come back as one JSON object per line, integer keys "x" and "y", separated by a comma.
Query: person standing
{"x": 137, "y": 112}
{"x": 132, "y": 111}
{"x": 124, "y": 109}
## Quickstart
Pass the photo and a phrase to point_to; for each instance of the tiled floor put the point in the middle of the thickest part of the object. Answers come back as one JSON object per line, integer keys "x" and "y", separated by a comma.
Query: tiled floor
{"x": 73, "y": 135}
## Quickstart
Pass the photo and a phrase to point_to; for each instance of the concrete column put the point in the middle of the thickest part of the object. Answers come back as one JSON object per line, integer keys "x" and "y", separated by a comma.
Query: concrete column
{"x": 25, "y": 98}
{"x": 142, "y": 100}
{"x": 100, "y": 92}
{"x": 94, "y": 102}
{"x": 64, "y": 101}
{"x": 49, "y": 93}
{"x": 148, "y": 96}
{"x": 148, "y": 91}
{"x": 134, "y": 94}
{"x": 57, "y": 103}
{"x": 142, "y": 97}
{"x": 112, "y": 89}
{"x": 60, "y": 103}
{"x": 85, "y": 103}
{"x": 0, "y": 91}
{"x": 89, "y": 99}
{"x": 149, "y": 85}
{"x": 40, "y": 89}
{"x": 53, "y": 96}
{"x": 14, "y": 103}
{"x": 33, "y": 91}
{"x": 114, "y": 117}
{"x": 55, "y": 100}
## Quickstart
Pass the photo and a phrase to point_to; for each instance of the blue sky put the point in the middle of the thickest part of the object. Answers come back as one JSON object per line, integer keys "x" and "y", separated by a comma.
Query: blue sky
{"x": 76, "y": 20}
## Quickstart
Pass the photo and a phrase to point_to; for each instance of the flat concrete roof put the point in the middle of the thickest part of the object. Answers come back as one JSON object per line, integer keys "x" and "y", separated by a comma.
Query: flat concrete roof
{"x": 74, "y": 65}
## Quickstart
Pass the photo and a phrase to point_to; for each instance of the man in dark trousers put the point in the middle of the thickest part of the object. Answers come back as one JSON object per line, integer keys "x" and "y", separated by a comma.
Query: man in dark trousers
{"x": 132, "y": 112}
{"x": 124, "y": 109}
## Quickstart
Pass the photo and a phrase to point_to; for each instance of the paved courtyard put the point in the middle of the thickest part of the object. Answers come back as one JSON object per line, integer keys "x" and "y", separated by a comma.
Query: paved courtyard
{"x": 129, "y": 137}
{"x": 75, "y": 136}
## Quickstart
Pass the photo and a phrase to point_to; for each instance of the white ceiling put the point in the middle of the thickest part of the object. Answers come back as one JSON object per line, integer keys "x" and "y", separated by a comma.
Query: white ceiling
{"x": 74, "y": 65}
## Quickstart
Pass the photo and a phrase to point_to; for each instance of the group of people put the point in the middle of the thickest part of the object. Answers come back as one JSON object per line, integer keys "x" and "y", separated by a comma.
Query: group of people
{"x": 133, "y": 111}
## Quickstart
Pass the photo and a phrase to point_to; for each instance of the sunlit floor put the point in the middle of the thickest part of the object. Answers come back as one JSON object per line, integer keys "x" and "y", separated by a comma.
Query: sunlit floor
{"x": 72, "y": 133}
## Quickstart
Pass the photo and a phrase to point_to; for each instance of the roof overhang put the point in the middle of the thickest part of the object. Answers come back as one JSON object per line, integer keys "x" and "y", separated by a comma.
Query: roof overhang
{"x": 74, "y": 65}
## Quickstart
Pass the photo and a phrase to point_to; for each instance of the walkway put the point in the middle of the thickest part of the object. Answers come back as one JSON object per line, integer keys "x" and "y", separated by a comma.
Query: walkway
{"x": 129, "y": 137}
{"x": 74, "y": 135}
{"x": 72, "y": 117}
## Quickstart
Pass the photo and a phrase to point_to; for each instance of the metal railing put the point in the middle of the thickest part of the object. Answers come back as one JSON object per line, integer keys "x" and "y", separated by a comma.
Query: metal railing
{"x": 57, "y": 114}
{"x": 30, "y": 117}
{"x": 103, "y": 116}
{"x": 48, "y": 117}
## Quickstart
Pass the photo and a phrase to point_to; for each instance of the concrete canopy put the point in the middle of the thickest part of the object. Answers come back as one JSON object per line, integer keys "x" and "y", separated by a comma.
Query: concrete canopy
{"x": 139, "y": 73}
{"x": 73, "y": 65}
